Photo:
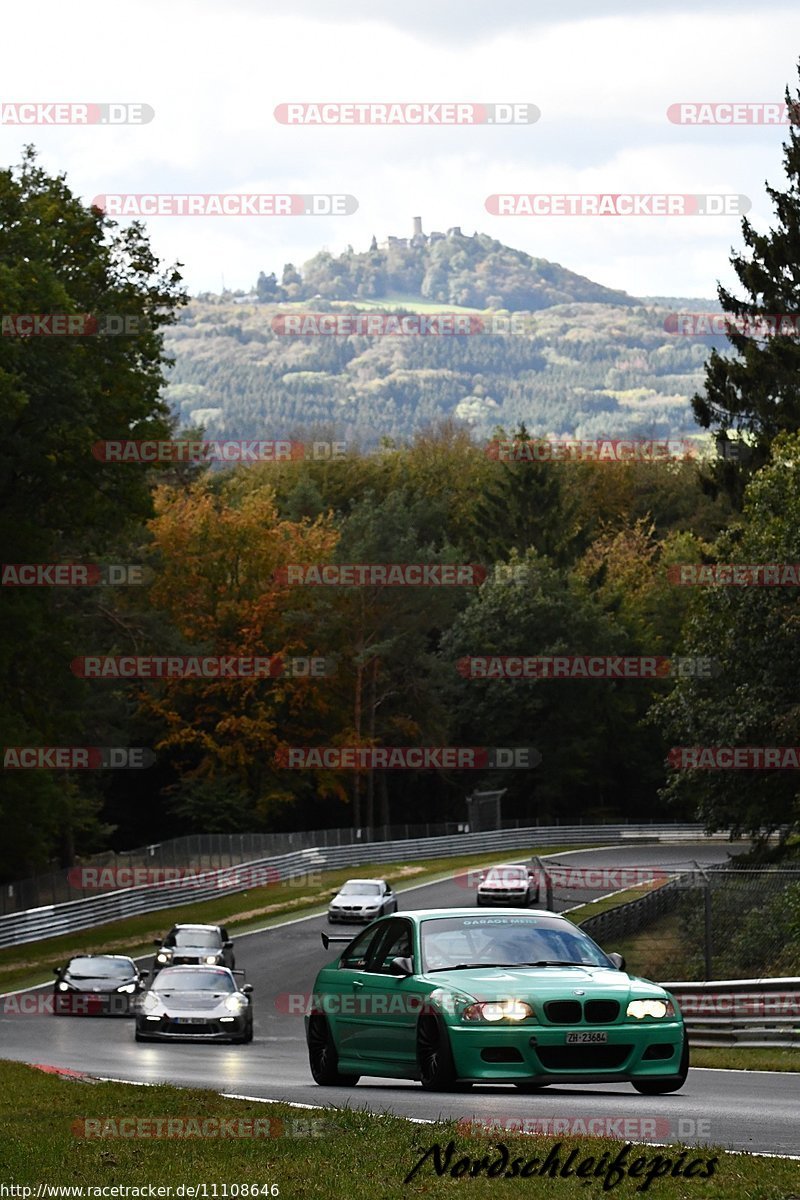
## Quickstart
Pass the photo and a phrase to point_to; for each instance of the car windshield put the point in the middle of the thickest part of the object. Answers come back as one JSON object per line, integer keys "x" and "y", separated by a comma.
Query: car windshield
{"x": 193, "y": 981}
{"x": 507, "y": 875}
{"x": 457, "y": 942}
{"x": 197, "y": 937}
{"x": 100, "y": 968}
{"x": 353, "y": 888}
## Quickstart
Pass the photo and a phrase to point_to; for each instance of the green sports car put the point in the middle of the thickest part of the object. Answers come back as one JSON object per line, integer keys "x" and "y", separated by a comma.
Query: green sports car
{"x": 452, "y": 997}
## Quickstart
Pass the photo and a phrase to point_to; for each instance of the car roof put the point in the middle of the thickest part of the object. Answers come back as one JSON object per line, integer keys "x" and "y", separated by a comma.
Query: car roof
{"x": 191, "y": 925}
{"x": 424, "y": 914}
{"x": 359, "y": 880}
{"x": 500, "y": 866}
{"x": 193, "y": 970}
{"x": 121, "y": 957}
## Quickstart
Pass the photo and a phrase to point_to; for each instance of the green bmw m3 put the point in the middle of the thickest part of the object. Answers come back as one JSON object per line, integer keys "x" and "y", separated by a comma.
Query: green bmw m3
{"x": 452, "y": 997}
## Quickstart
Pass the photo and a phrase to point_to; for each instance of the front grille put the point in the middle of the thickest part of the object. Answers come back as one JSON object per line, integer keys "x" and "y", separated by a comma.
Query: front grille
{"x": 601, "y": 1012}
{"x": 582, "y": 1058}
{"x": 501, "y": 1054}
{"x": 563, "y": 1012}
{"x": 200, "y": 1027}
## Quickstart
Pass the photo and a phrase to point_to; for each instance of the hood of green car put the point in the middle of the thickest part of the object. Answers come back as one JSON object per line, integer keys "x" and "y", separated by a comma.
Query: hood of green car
{"x": 543, "y": 983}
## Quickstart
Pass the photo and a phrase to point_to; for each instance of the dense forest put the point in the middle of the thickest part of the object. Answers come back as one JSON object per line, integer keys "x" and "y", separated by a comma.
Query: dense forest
{"x": 554, "y": 350}
{"x": 576, "y": 557}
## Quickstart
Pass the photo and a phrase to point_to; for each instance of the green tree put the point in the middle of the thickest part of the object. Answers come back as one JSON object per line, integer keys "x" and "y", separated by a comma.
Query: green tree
{"x": 752, "y": 632}
{"x": 58, "y": 397}
{"x": 755, "y": 392}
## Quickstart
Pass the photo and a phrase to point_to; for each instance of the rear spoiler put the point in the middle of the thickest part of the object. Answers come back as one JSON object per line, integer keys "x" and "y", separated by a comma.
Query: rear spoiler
{"x": 327, "y": 938}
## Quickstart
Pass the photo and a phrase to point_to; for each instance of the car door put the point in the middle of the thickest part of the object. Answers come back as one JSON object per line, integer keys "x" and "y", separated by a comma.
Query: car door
{"x": 385, "y": 1022}
{"x": 340, "y": 1001}
{"x": 389, "y": 899}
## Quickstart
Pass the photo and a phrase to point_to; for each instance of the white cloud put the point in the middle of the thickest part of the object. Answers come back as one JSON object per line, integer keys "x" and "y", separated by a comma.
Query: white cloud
{"x": 603, "y": 81}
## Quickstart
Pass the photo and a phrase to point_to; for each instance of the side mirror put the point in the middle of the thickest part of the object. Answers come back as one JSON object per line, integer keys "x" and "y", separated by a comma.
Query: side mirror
{"x": 227, "y": 945}
{"x": 56, "y": 970}
{"x": 158, "y": 941}
{"x": 402, "y": 966}
{"x": 617, "y": 960}
{"x": 247, "y": 988}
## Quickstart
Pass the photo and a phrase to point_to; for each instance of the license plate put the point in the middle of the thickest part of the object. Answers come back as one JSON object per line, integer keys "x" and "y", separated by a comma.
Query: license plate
{"x": 189, "y": 1020}
{"x": 586, "y": 1039}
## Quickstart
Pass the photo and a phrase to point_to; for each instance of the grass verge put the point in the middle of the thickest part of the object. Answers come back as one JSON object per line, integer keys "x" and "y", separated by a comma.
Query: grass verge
{"x": 747, "y": 1058}
{"x": 332, "y": 1154}
{"x": 32, "y": 963}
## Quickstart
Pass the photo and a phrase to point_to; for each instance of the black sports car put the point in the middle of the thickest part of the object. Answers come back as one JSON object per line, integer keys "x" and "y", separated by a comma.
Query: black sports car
{"x": 96, "y": 985}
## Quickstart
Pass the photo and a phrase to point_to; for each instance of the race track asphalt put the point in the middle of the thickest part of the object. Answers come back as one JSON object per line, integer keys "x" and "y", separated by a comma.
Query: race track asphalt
{"x": 756, "y": 1111}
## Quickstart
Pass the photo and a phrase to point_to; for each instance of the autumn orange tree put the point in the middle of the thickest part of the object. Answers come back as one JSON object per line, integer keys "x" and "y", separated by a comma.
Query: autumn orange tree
{"x": 219, "y": 548}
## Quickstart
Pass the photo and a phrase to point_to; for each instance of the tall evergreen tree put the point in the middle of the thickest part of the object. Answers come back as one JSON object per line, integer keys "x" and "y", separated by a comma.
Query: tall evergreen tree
{"x": 755, "y": 392}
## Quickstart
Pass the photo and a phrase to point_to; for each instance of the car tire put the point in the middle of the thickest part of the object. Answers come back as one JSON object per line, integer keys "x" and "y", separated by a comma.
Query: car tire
{"x": 244, "y": 1038}
{"x": 667, "y": 1083}
{"x": 322, "y": 1057}
{"x": 435, "y": 1057}
{"x": 140, "y": 1037}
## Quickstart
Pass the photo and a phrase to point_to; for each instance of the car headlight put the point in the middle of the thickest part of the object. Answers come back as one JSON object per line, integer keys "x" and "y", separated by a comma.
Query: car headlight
{"x": 127, "y": 987}
{"x": 149, "y": 1002}
{"x": 235, "y": 1003}
{"x": 161, "y": 957}
{"x": 498, "y": 1010}
{"x": 210, "y": 959}
{"x": 650, "y": 1008}
{"x": 63, "y": 987}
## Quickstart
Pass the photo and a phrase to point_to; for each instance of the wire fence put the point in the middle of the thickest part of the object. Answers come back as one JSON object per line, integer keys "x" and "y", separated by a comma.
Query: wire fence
{"x": 708, "y": 923}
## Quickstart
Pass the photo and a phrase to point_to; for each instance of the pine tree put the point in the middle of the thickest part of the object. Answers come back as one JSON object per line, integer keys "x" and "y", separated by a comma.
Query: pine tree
{"x": 756, "y": 392}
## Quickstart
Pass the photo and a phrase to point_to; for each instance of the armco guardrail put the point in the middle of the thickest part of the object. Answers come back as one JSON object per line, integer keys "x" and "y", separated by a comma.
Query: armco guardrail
{"x": 741, "y": 1012}
{"x": 52, "y": 920}
{"x": 635, "y": 914}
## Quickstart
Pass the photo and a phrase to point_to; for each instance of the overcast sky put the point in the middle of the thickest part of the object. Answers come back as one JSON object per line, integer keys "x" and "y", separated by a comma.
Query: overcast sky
{"x": 602, "y": 72}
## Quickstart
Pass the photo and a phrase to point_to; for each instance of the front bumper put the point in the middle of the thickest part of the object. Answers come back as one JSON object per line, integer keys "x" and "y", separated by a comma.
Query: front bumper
{"x": 209, "y": 1029}
{"x": 536, "y": 1052}
{"x": 503, "y": 898}
{"x": 351, "y": 918}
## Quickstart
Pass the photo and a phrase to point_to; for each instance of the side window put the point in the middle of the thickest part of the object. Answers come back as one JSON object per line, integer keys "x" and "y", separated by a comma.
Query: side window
{"x": 397, "y": 941}
{"x": 356, "y": 955}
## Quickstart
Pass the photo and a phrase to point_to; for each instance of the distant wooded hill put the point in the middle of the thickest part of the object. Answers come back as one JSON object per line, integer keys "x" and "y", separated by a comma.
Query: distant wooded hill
{"x": 586, "y": 360}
